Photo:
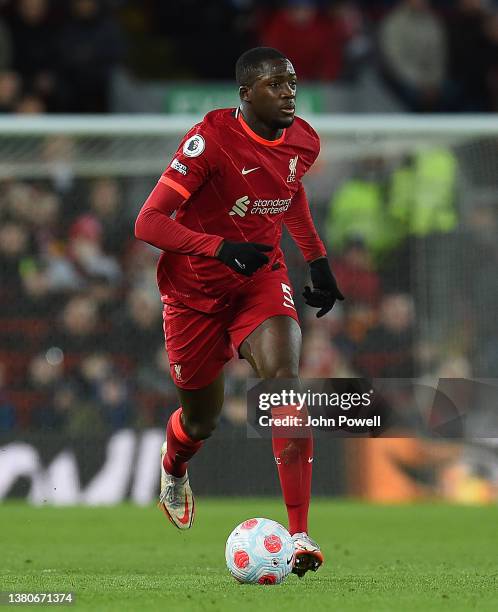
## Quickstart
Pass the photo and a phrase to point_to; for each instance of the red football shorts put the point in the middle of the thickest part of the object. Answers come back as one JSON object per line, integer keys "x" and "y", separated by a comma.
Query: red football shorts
{"x": 200, "y": 344}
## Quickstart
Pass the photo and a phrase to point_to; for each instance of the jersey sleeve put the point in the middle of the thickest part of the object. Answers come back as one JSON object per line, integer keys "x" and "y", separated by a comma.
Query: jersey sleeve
{"x": 194, "y": 162}
{"x": 300, "y": 224}
{"x": 153, "y": 225}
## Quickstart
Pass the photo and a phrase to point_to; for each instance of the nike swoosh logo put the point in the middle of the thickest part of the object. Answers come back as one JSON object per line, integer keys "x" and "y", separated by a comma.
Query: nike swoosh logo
{"x": 310, "y": 459}
{"x": 241, "y": 265}
{"x": 290, "y": 560}
{"x": 185, "y": 518}
{"x": 244, "y": 171}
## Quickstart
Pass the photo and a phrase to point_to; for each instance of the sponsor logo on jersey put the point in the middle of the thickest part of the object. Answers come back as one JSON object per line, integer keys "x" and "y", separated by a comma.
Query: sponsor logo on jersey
{"x": 292, "y": 169}
{"x": 240, "y": 207}
{"x": 259, "y": 207}
{"x": 179, "y": 167}
{"x": 178, "y": 371}
{"x": 194, "y": 146}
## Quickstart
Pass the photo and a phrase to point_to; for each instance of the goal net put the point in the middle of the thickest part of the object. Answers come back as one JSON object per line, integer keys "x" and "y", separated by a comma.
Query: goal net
{"x": 407, "y": 207}
{"x": 428, "y": 184}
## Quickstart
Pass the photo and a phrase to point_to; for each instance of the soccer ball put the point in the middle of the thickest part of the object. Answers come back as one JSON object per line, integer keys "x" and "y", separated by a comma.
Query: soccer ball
{"x": 260, "y": 551}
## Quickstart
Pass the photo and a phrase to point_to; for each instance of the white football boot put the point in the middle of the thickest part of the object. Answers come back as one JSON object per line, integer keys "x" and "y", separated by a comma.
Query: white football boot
{"x": 176, "y": 499}
{"x": 308, "y": 554}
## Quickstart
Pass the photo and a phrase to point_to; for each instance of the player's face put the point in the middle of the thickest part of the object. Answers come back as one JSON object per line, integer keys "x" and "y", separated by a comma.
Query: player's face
{"x": 273, "y": 94}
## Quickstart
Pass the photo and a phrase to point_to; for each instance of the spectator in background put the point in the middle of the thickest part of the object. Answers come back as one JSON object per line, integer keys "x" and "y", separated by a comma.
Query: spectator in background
{"x": 106, "y": 394}
{"x": 355, "y": 273}
{"x": 16, "y": 200}
{"x": 472, "y": 55}
{"x": 221, "y": 28}
{"x": 348, "y": 35}
{"x": 106, "y": 204}
{"x": 38, "y": 209}
{"x": 478, "y": 286}
{"x": 358, "y": 319}
{"x": 30, "y": 104}
{"x": 86, "y": 251}
{"x": 77, "y": 329}
{"x": 140, "y": 262}
{"x": 388, "y": 348}
{"x": 70, "y": 411}
{"x": 14, "y": 247}
{"x": 153, "y": 376}
{"x": 10, "y": 88}
{"x": 93, "y": 370}
{"x": 137, "y": 330}
{"x": 38, "y": 299}
{"x": 5, "y": 46}
{"x": 34, "y": 53}
{"x": 44, "y": 217}
{"x": 358, "y": 209}
{"x": 314, "y": 43}
{"x": 490, "y": 60}
{"x": 113, "y": 396}
{"x": 84, "y": 259}
{"x": 155, "y": 389}
{"x": 319, "y": 356}
{"x": 90, "y": 46}
{"x": 44, "y": 375}
{"x": 58, "y": 153}
{"x": 413, "y": 50}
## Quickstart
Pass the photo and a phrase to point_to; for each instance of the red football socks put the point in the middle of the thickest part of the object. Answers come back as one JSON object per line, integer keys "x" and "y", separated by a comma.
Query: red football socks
{"x": 181, "y": 447}
{"x": 294, "y": 457}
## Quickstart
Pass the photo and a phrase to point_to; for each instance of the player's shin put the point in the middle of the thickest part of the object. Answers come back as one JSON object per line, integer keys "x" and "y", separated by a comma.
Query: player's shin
{"x": 180, "y": 447}
{"x": 293, "y": 450}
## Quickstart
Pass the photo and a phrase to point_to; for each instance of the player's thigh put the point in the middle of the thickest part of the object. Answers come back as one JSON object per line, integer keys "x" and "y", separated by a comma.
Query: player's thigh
{"x": 273, "y": 349}
{"x": 266, "y": 328}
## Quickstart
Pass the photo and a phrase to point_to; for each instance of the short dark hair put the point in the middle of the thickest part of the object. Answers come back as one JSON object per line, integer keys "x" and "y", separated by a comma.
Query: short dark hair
{"x": 250, "y": 61}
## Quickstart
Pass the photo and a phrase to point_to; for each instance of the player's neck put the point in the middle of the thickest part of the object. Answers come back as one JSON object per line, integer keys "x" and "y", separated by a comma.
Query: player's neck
{"x": 260, "y": 128}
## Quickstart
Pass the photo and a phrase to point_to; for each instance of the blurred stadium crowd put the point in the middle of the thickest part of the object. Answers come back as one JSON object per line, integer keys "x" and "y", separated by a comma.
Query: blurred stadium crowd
{"x": 58, "y": 56}
{"x": 81, "y": 340}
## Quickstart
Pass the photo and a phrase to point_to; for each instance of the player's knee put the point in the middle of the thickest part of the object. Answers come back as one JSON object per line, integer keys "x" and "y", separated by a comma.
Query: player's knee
{"x": 280, "y": 371}
{"x": 200, "y": 430}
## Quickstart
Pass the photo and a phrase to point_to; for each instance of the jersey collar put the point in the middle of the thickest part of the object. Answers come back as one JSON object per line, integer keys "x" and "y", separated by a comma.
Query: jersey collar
{"x": 256, "y": 137}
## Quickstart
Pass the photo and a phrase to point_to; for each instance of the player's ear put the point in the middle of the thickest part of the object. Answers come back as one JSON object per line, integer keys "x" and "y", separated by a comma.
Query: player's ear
{"x": 245, "y": 93}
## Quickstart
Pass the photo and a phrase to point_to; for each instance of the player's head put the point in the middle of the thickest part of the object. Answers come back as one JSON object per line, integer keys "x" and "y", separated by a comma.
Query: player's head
{"x": 267, "y": 84}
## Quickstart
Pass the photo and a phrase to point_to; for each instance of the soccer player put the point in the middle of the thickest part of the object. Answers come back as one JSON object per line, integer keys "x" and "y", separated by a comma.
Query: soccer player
{"x": 233, "y": 182}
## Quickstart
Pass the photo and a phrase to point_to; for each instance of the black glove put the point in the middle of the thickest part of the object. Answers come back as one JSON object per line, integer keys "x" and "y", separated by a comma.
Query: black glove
{"x": 325, "y": 290}
{"x": 244, "y": 257}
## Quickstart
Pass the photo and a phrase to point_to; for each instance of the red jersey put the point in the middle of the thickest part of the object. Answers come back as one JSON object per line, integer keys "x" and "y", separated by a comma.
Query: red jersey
{"x": 240, "y": 187}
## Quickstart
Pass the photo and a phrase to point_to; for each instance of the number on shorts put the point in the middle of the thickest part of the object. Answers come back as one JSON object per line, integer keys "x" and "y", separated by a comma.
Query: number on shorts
{"x": 288, "y": 300}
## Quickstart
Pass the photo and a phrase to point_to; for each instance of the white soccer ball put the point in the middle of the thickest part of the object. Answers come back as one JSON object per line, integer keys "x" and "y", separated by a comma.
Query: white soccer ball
{"x": 260, "y": 551}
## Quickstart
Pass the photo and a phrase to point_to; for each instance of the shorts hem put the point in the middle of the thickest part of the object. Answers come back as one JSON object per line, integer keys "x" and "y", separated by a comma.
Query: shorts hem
{"x": 191, "y": 386}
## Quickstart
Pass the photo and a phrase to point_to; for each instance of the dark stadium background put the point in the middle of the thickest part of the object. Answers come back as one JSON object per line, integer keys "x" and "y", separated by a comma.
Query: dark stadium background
{"x": 84, "y": 383}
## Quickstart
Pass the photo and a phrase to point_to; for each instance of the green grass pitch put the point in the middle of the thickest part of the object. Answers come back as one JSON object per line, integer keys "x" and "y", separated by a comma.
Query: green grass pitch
{"x": 399, "y": 558}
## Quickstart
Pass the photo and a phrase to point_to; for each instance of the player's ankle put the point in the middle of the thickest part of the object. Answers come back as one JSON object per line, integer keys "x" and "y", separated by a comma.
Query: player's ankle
{"x": 174, "y": 468}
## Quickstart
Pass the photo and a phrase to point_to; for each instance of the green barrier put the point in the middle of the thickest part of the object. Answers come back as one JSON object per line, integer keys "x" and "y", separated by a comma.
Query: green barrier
{"x": 200, "y": 99}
